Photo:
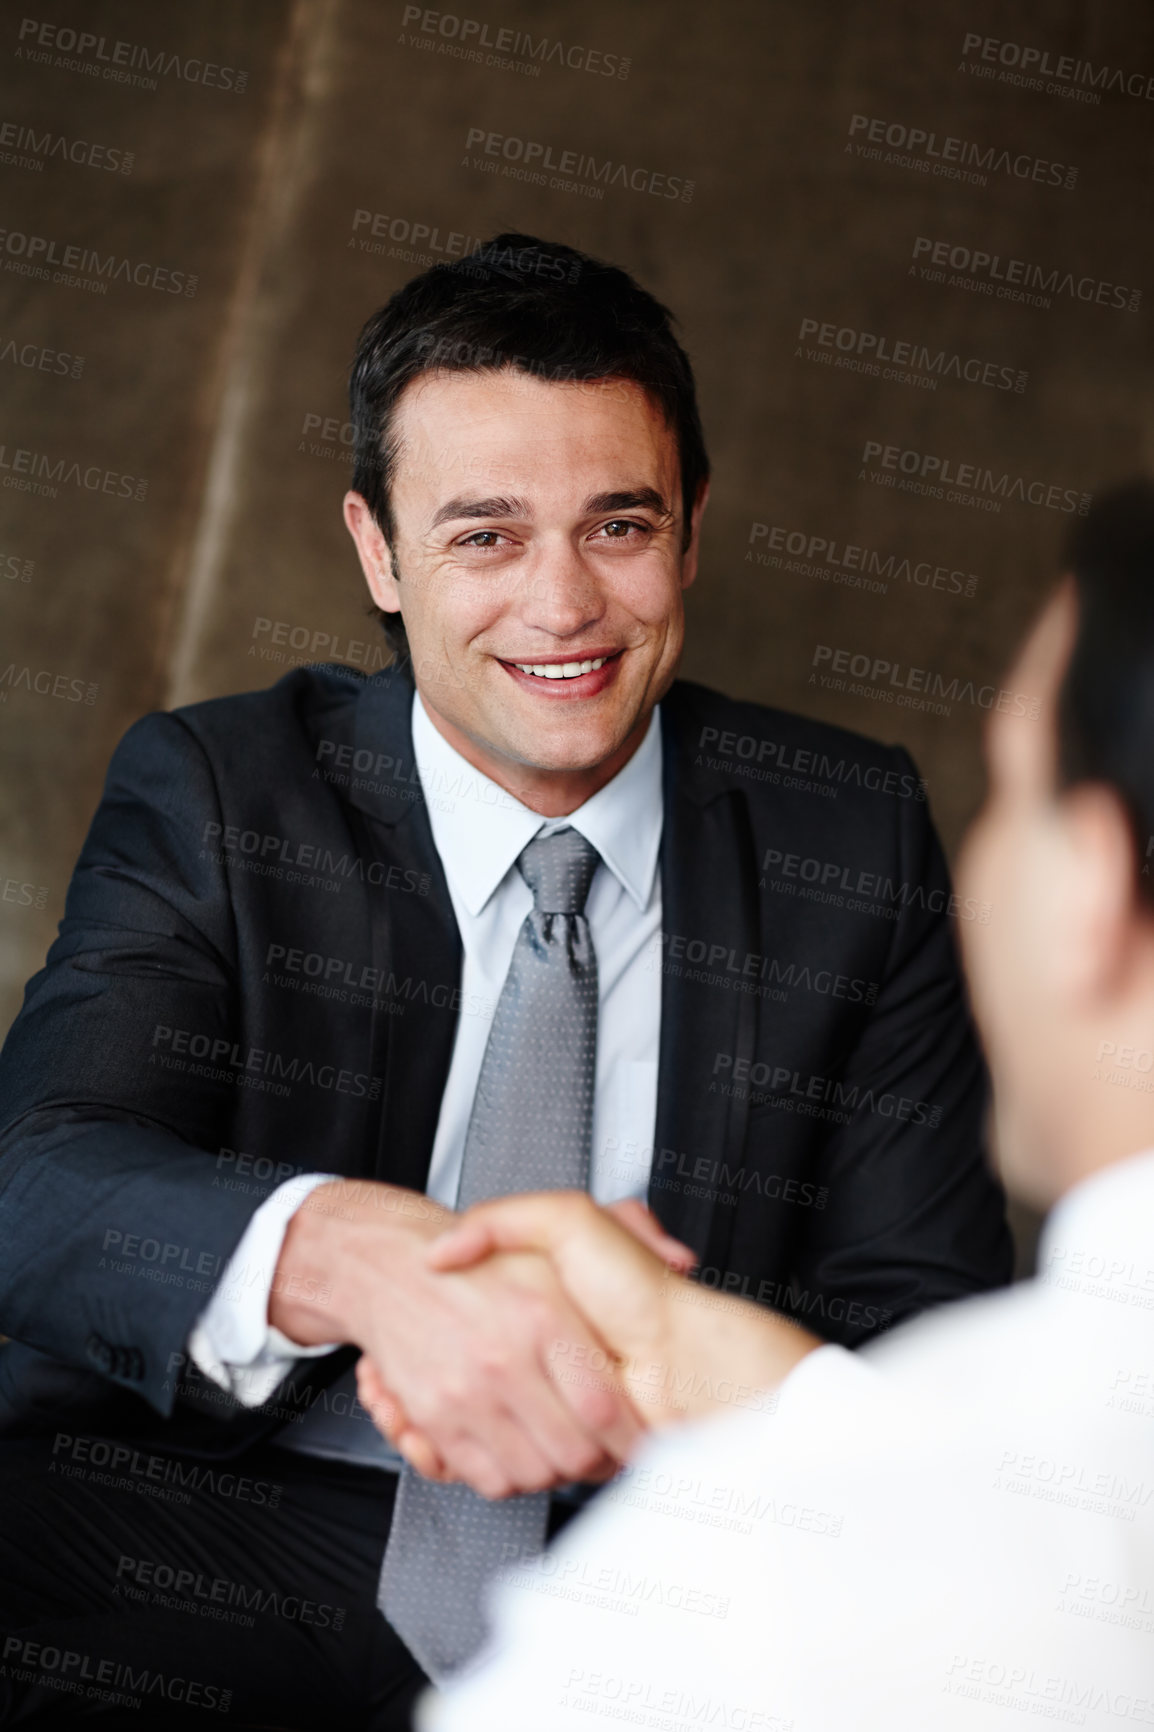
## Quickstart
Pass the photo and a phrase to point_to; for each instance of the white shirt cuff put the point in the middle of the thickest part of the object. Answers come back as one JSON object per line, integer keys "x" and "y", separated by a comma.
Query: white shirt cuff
{"x": 232, "y": 1341}
{"x": 827, "y": 1378}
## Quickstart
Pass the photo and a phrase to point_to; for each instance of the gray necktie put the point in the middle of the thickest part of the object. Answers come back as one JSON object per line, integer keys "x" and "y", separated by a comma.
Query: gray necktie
{"x": 530, "y": 1130}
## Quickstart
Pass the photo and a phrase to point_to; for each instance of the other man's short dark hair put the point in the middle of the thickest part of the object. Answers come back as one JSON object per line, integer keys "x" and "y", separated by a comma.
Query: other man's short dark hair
{"x": 1106, "y": 701}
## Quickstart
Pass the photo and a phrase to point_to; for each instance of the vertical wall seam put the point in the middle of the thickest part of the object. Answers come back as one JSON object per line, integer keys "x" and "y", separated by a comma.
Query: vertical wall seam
{"x": 283, "y": 169}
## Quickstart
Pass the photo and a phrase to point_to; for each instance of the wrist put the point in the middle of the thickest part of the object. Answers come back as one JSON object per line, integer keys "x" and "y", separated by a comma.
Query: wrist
{"x": 338, "y": 1247}
{"x": 657, "y": 1358}
{"x": 716, "y": 1351}
{"x": 749, "y": 1347}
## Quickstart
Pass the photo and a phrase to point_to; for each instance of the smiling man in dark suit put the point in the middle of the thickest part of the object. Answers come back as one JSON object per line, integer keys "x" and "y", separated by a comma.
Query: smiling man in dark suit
{"x": 522, "y": 911}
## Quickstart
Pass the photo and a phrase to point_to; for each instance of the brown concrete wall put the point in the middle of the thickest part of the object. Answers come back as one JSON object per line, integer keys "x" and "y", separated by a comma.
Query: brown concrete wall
{"x": 206, "y": 423}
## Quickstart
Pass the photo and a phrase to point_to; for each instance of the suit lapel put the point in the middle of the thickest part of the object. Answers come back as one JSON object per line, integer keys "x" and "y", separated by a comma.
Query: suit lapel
{"x": 709, "y": 926}
{"x": 414, "y": 939}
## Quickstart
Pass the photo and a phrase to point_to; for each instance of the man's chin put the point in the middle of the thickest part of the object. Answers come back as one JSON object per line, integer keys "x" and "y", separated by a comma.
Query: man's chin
{"x": 573, "y": 758}
{"x": 519, "y": 733}
{"x": 561, "y": 737}
{"x": 564, "y": 752}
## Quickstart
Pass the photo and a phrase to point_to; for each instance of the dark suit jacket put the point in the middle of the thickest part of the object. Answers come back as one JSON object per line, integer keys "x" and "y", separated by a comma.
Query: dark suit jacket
{"x": 258, "y": 972}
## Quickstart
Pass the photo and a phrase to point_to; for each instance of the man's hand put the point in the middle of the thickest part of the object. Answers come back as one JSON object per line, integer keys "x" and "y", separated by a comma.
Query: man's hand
{"x": 681, "y": 1349}
{"x": 570, "y": 1362}
{"x": 644, "y": 1225}
{"x": 476, "y": 1360}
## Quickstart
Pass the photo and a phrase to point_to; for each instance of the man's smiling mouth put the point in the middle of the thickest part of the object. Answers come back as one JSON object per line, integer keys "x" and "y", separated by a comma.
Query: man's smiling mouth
{"x": 561, "y": 670}
{"x": 574, "y": 668}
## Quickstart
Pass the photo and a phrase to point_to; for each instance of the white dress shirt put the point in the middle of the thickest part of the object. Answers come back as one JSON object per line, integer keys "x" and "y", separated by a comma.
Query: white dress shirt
{"x": 951, "y": 1528}
{"x": 479, "y": 830}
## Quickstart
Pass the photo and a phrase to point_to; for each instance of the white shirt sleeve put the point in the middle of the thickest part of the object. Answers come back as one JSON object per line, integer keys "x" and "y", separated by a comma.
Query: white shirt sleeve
{"x": 952, "y": 1528}
{"x": 232, "y": 1341}
{"x": 641, "y": 1607}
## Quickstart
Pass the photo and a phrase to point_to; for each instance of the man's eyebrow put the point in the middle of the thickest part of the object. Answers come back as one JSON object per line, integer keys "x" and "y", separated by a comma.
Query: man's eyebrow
{"x": 634, "y": 499}
{"x": 495, "y": 507}
{"x": 631, "y": 499}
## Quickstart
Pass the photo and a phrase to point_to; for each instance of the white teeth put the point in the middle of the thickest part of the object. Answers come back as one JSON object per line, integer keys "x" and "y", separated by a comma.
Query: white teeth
{"x": 560, "y": 670}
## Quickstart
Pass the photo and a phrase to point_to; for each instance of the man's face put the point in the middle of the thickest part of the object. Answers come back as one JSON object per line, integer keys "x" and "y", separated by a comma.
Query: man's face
{"x": 1014, "y": 860}
{"x": 538, "y": 526}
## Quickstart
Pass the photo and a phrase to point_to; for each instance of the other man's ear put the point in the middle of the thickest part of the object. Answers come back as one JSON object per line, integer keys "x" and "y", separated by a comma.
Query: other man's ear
{"x": 689, "y": 557}
{"x": 1103, "y": 920}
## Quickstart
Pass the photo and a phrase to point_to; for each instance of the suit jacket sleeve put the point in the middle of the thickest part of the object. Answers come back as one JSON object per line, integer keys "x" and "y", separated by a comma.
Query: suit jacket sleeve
{"x": 112, "y": 1231}
{"x": 914, "y": 1214}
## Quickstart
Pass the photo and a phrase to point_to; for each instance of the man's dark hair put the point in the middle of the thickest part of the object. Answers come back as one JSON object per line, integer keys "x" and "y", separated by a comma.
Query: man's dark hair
{"x": 538, "y": 306}
{"x": 1106, "y": 701}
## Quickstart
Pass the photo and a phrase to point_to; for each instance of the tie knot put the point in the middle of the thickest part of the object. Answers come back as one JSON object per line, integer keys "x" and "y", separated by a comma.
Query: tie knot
{"x": 559, "y": 870}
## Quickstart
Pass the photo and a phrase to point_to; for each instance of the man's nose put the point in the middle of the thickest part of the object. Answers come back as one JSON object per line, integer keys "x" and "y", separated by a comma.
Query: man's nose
{"x": 560, "y": 594}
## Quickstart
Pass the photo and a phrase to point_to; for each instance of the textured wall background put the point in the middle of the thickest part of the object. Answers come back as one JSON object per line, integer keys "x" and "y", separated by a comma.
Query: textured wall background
{"x": 172, "y": 447}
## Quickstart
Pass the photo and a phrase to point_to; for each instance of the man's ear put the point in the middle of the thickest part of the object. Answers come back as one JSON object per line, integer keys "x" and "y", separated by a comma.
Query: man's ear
{"x": 1098, "y": 899}
{"x": 689, "y": 557}
{"x": 373, "y": 549}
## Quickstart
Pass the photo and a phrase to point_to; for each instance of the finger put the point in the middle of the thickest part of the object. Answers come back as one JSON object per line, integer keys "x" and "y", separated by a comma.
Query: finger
{"x": 390, "y": 1420}
{"x": 515, "y": 1450}
{"x": 538, "y": 1221}
{"x": 607, "y": 1470}
{"x": 530, "y": 1438}
{"x": 524, "y": 1426}
{"x": 586, "y": 1376}
{"x": 421, "y": 1455}
{"x": 509, "y": 1450}
{"x": 644, "y": 1225}
{"x": 602, "y": 1406}
{"x": 558, "y": 1431}
{"x": 461, "y": 1246}
{"x": 557, "y": 1380}
{"x": 378, "y": 1400}
{"x": 469, "y": 1460}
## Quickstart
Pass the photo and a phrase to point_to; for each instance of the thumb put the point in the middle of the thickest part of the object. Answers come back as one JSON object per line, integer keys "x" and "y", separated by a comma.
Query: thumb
{"x": 616, "y": 1280}
{"x": 537, "y": 1223}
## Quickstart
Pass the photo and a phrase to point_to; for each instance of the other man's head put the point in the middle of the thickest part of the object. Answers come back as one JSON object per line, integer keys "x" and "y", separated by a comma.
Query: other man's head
{"x": 1062, "y": 975}
{"x": 529, "y": 479}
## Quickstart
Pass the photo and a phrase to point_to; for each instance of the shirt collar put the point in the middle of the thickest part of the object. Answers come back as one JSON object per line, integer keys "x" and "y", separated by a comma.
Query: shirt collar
{"x": 480, "y": 829}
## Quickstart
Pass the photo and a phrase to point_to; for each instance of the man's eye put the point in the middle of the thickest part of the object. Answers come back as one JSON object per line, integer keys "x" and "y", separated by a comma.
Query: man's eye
{"x": 618, "y": 525}
{"x": 477, "y": 539}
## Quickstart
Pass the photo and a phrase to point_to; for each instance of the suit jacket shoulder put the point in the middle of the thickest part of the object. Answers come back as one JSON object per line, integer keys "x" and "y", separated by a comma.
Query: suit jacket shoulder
{"x": 305, "y": 708}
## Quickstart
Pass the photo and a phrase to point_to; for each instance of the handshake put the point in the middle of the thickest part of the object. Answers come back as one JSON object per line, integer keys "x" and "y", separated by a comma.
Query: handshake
{"x": 525, "y": 1344}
